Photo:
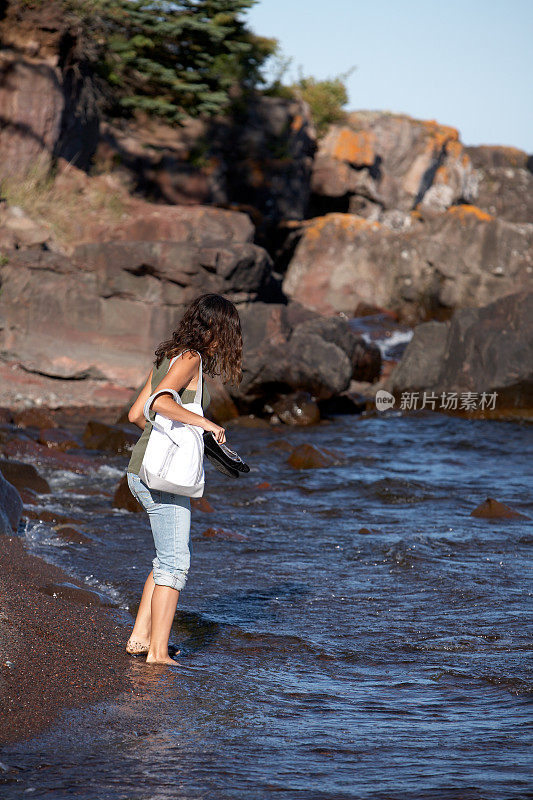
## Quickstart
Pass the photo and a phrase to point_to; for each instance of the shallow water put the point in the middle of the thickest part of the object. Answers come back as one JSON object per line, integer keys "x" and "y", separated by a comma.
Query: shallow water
{"x": 318, "y": 661}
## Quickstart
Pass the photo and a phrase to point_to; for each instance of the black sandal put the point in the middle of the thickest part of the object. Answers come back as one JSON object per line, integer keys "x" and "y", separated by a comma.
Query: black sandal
{"x": 223, "y": 458}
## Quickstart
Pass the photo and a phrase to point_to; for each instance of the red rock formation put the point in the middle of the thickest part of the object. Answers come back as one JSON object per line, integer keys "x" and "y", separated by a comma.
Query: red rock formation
{"x": 380, "y": 161}
{"x": 459, "y": 258}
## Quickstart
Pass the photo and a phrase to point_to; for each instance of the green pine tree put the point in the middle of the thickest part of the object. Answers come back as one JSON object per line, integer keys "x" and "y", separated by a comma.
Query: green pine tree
{"x": 173, "y": 59}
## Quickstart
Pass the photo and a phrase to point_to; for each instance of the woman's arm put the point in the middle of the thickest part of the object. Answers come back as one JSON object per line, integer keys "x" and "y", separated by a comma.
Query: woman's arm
{"x": 135, "y": 414}
{"x": 179, "y": 376}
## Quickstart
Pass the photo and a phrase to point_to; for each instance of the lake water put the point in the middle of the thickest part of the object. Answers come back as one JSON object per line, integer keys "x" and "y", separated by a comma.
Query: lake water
{"x": 320, "y": 661}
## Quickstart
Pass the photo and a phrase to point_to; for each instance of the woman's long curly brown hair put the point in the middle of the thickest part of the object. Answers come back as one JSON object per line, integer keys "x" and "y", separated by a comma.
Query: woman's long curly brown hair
{"x": 212, "y": 326}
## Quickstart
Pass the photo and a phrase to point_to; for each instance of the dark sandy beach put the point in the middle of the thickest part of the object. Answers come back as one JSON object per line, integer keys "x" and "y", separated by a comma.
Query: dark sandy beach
{"x": 55, "y": 652}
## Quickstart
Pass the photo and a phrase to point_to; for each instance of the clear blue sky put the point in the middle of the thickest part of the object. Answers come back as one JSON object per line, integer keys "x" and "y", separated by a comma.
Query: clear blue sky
{"x": 468, "y": 64}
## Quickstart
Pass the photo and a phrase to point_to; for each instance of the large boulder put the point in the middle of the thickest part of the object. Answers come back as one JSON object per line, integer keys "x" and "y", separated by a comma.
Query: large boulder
{"x": 377, "y": 161}
{"x": 181, "y": 271}
{"x": 136, "y": 219}
{"x": 458, "y": 258}
{"x": 422, "y": 360}
{"x": 488, "y": 349}
{"x": 505, "y": 181}
{"x": 286, "y": 349}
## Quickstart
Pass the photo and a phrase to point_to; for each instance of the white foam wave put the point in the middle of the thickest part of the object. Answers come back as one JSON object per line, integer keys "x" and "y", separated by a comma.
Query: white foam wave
{"x": 387, "y": 343}
{"x": 108, "y": 471}
{"x": 108, "y": 590}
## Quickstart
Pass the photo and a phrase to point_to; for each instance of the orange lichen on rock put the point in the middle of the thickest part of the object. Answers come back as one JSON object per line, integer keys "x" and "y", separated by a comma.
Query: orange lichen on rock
{"x": 297, "y": 123}
{"x": 514, "y": 156}
{"x": 465, "y": 212}
{"x": 454, "y": 148}
{"x": 350, "y": 223}
{"x": 442, "y": 134}
{"x": 354, "y": 147}
{"x": 442, "y": 175}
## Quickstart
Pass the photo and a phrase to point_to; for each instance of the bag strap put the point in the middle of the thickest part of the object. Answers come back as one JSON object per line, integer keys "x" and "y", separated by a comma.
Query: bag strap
{"x": 146, "y": 409}
{"x": 198, "y": 397}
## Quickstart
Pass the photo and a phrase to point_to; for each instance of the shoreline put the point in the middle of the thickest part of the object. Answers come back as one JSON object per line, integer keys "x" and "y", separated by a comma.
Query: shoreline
{"x": 62, "y": 652}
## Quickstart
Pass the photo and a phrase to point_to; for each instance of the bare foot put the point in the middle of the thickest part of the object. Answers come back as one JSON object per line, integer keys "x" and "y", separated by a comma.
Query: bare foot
{"x": 135, "y": 647}
{"x": 167, "y": 660}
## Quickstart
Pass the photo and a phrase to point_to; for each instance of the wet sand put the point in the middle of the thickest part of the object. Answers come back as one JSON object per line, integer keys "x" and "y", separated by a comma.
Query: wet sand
{"x": 60, "y": 652}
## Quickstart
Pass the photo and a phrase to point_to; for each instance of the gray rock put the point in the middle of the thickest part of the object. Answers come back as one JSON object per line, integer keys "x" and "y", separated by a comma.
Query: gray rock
{"x": 10, "y": 507}
{"x": 488, "y": 349}
{"x": 422, "y": 360}
{"x": 283, "y": 353}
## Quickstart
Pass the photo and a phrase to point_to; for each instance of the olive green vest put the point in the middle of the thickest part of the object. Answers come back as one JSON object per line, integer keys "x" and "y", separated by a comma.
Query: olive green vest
{"x": 187, "y": 395}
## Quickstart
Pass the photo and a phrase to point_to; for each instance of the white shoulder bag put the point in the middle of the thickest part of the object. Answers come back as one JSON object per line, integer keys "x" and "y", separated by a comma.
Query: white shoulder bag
{"x": 174, "y": 457}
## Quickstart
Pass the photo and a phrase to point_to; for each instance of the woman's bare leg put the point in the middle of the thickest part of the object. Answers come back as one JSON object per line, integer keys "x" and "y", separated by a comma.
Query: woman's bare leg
{"x": 139, "y": 641}
{"x": 164, "y": 602}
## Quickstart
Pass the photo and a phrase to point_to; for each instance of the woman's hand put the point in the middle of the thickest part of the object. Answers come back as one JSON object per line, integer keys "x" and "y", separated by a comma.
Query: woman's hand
{"x": 218, "y": 432}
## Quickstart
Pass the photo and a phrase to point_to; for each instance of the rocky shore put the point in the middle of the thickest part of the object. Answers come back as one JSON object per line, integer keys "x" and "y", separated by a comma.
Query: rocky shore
{"x": 385, "y": 227}
{"x": 59, "y": 648}
{"x": 61, "y": 645}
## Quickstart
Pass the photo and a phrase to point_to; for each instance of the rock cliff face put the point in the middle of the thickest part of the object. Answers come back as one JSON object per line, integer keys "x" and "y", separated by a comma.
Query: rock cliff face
{"x": 93, "y": 312}
{"x": 97, "y": 312}
{"x": 385, "y": 211}
{"x": 260, "y": 158}
{"x": 421, "y": 224}
{"x": 47, "y": 92}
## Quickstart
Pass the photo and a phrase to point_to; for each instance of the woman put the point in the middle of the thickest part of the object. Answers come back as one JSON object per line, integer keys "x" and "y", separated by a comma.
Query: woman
{"x": 211, "y": 328}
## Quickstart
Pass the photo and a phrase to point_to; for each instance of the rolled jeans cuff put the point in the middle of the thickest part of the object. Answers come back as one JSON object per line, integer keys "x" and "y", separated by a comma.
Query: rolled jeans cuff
{"x": 164, "y": 578}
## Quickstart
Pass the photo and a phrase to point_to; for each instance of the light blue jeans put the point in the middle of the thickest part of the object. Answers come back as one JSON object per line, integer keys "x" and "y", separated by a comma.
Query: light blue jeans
{"x": 170, "y": 519}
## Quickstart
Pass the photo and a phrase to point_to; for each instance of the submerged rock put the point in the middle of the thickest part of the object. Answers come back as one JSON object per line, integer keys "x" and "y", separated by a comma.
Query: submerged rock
{"x": 24, "y": 476}
{"x": 308, "y": 456}
{"x": 72, "y": 533}
{"x": 114, "y": 438}
{"x": 297, "y": 409}
{"x": 39, "y": 454}
{"x": 202, "y": 504}
{"x": 34, "y": 418}
{"x": 58, "y": 439}
{"x": 45, "y": 515}
{"x": 123, "y": 497}
{"x": 493, "y": 509}
{"x": 219, "y": 533}
{"x": 76, "y": 594}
